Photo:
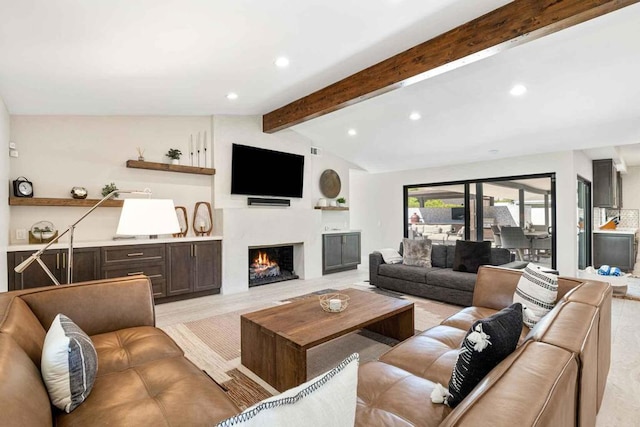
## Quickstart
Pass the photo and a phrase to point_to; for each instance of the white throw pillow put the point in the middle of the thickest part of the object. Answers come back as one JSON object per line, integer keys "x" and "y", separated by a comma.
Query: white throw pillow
{"x": 537, "y": 291}
{"x": 327, "y": 400}
{"x": 390, "y": 256}
{"x": 69, "y": 364}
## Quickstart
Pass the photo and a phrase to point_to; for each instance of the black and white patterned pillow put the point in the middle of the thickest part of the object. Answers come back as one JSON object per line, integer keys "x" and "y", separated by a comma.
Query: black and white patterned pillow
{"x": 537, "y": 291}
{"x": 327, "y": 400}
{"x": 487, "y": 343}
{"x": 69, "y": 364}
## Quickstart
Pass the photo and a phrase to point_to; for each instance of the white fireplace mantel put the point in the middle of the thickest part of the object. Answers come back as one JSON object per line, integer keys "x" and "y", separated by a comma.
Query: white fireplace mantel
{"x": 243, "y": 228}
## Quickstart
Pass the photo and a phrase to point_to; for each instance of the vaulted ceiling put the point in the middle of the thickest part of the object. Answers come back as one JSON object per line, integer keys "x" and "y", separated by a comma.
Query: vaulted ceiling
{"x": 183, "y": 57}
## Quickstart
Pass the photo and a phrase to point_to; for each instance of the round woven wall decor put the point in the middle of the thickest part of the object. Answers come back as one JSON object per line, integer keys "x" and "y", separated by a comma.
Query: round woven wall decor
{"x": 330, "y": 183}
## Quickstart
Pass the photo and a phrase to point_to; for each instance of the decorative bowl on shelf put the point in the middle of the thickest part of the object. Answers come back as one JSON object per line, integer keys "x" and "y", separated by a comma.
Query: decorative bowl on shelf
{"x": 334, "y": 303}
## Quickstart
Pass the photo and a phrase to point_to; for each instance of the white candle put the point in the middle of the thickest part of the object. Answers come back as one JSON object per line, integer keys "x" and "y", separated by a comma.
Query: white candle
{"x": 201, "y": 225}
{"x": 334, "y": 304}
{"x": 205, "y": 140}
{"x": 191, "y": 144}
{"x": 198, "y": 142}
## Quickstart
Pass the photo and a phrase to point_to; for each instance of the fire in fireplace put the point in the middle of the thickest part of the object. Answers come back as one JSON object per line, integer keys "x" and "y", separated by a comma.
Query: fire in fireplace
{"x": 270, "y": 264}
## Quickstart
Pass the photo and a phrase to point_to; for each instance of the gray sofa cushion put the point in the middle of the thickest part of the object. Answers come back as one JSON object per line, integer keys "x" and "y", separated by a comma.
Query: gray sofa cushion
{"x": 447, "y": 278}
{"x": 500, "y": 256}
{"x": 451, "y": 253}
{"x": 405, "y": 272}
{"x": 439, "y": 256}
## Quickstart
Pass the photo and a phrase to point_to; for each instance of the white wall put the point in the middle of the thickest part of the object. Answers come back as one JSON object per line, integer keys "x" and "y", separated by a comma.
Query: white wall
{"x": 4, "y": 193}
{"x": 631, "y": 188}
{"x": 377, "y": 199}
{"x": 60, "y": 152}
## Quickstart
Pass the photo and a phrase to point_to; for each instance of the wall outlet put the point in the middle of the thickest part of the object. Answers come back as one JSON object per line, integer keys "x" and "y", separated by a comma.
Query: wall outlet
{"x": 12, "y": 145}
{"x": 21, "y": 234}
{"x": 13, "y": 153}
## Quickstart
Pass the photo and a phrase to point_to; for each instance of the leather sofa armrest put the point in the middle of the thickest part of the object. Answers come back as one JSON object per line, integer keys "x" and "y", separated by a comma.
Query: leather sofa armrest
{"x": 375, "y": 260}
{"x": 97, "y": 307}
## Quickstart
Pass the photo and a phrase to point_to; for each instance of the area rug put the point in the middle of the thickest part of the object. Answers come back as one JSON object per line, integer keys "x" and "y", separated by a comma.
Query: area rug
{"x": 213, "y": 344}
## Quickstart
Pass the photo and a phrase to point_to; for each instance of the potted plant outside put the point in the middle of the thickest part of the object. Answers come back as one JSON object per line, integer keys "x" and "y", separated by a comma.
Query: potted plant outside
{"x": 174, "y": 154}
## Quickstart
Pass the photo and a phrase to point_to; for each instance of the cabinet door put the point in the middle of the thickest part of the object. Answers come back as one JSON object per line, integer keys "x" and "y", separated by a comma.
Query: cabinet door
{"x": 34, "y": 276}
{"x": 180, "y": 265}
{"x": 605, "y": 184}
{"x": 351, "y": 249}
{"x": 206, "y": 261}
{"x": 615, "y": 250}
{"x": 86, "y": 264}
{"x": 331, "y": 252}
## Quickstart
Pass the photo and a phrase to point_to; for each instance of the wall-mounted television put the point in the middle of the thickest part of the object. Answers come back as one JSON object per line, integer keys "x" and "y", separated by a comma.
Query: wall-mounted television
{"x": 260, "y": 172}
{"x": 457, "y": 213}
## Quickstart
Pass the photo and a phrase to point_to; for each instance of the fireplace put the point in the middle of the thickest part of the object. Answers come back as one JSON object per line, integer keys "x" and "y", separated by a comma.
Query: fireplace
{"x": 270, "y": 264}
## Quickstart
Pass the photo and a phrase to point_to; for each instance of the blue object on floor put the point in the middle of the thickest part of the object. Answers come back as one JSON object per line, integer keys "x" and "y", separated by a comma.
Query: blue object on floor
{"x": 615, "y": 271}
{"x": 604, "y": 270}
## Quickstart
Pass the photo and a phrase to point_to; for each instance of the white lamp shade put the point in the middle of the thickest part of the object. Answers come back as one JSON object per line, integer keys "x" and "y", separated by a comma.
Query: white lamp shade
{"x": 148, "y": 217}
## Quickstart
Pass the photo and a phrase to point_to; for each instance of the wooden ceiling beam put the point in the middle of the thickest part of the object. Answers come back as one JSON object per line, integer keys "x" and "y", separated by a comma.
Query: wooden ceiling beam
{"x": 513, "y": 24}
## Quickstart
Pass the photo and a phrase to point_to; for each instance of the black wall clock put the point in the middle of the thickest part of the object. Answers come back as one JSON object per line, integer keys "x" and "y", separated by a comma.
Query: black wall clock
{"x": 22, "y": 187}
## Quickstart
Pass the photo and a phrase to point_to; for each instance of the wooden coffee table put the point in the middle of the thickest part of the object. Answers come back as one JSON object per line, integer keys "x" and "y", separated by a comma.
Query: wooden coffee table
{"x": 274, "y": 341}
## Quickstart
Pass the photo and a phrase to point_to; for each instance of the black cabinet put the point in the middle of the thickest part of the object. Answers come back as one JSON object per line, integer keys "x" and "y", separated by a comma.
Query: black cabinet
{"x": 86, "y": 266}
{"x": 340, "y": 252}
{"x": 194, "y": 267}
{"x": 615, "y": 250}
{"x": 607, "y": 185}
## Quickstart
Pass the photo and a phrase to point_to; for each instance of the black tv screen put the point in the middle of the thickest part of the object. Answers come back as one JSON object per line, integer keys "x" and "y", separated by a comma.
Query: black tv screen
{"x": 259, "y": 172}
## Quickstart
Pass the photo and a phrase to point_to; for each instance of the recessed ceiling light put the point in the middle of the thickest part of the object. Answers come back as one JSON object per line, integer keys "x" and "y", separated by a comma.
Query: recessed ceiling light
{"x": 232, "y": 95}
{"x": 352, "y": 132}
{"x": 415, "y": 116}
{"x": 518, "y": 90}
{"x": 282, "y": 62}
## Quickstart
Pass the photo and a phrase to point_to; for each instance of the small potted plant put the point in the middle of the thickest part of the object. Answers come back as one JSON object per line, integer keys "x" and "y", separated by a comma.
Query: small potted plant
{"x": 341, "y": 201}
{"x": 108, "y": 189}
{"x": 174, "y": 154}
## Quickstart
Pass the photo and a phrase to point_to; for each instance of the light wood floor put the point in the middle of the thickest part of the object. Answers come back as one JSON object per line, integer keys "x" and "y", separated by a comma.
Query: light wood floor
{"x": 620, "y": 407}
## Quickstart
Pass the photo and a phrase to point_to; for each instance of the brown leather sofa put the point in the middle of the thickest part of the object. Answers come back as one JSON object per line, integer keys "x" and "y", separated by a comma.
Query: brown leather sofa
{"x": 143, "y": 377}
{"x": 555, "y": 377}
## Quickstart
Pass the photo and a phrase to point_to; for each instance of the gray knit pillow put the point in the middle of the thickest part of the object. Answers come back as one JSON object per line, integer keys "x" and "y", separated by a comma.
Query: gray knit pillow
{"x": 416, "y": 252}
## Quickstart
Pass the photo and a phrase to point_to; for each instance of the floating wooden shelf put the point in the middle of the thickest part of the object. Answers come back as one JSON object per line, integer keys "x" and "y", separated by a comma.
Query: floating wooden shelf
{"x": 137, "y": 164}
{"x": 332, "y": 208}
{"x": 48, "y": 201}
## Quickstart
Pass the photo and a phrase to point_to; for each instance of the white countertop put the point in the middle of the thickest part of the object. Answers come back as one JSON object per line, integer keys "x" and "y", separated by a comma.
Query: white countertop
{"x": 618, "y": 231}
{"x": 340, "y": 231}
{"x": 119, "y": 242}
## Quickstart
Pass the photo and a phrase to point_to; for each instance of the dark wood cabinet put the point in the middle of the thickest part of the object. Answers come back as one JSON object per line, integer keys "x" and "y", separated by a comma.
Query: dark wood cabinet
{"x": 607, "y": 185}
{"x": 194, "y": 267}
{"x": 131, "y": 260}
{"x": 340, "y": 252}
{"x": 86, "y": 267}
{"x": 615, "y": 250}
{"x": 86, "y": 264}
{"x": 177, "y": 270}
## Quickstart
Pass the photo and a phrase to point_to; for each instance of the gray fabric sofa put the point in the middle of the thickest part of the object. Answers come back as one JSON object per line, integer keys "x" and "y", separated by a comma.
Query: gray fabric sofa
{"x": 439, "y": 282}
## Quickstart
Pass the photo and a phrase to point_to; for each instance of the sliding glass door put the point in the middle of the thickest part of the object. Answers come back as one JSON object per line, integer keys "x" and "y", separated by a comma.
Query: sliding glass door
{"x": 516, "y": 213}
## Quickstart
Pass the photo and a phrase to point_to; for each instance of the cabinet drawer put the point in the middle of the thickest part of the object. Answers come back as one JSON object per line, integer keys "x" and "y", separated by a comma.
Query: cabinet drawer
{"x": 132, "y": 254}
{"x": 154, "y": 271}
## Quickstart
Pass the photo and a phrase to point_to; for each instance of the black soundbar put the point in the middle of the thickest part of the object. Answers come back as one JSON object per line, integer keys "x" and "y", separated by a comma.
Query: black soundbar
{"x": 261, "y": 201}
